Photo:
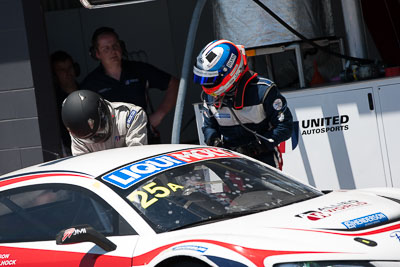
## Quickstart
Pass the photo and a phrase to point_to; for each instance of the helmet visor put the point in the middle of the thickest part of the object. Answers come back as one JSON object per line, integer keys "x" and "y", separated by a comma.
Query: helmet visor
{"x": 104, "y": 130}
{"x": 206, "y": 77}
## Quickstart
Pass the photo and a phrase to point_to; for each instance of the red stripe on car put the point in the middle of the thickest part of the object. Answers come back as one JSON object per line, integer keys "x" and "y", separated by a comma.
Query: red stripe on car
{"x": 370, "y": 232}
{"x": 256, "y": 256}
{"x": 42, "y": 258}
{"x": 36, "y": 176}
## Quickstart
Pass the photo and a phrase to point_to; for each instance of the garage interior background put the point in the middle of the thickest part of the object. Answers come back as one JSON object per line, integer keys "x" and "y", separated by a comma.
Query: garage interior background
{"x": 31, "y": 30}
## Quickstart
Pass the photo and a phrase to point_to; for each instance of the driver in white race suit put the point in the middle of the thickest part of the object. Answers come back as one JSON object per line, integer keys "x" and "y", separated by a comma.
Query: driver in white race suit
{"x": 242, "y": 111}
{"x": 96, "y": 124}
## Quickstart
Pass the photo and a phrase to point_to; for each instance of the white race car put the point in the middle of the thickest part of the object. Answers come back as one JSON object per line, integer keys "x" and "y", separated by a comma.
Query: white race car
{"x": 187, "y": 205}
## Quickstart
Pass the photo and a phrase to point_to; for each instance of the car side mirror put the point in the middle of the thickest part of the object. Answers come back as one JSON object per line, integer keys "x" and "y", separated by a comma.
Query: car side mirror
{"x": 84, "y": 233}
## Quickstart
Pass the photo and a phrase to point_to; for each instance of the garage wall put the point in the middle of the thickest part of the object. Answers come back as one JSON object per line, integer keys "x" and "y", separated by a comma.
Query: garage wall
{"x": 20, "y": 143}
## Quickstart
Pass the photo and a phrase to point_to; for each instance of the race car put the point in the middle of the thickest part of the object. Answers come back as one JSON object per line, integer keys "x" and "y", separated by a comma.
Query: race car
{"x": 188, "y": 205}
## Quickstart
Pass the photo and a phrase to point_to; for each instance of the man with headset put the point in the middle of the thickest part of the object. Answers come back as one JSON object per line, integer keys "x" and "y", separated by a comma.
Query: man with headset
{"x": 242, "y": 111}
{"x": 119, "y": 80}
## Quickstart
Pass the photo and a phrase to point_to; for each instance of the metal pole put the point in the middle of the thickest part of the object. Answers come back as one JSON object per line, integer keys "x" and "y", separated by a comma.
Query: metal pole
{"x": 185, "y": 71}
{"x": 355, "y": 28}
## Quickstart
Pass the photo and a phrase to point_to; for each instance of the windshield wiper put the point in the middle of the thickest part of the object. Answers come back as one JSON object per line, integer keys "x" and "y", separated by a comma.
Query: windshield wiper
{"x": 220, "y": 217}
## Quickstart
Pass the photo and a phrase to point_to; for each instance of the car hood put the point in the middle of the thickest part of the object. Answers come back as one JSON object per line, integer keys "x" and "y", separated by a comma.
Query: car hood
{"x": 338, "y": 210}
{"x": 342, "y": 224}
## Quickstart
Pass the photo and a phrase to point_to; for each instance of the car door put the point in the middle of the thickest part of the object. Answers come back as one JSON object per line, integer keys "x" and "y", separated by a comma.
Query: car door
{"x": 32, "y": 216}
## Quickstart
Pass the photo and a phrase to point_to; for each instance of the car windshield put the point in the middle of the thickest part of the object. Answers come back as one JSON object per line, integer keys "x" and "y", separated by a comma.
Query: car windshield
{"x": 213, "y": 190}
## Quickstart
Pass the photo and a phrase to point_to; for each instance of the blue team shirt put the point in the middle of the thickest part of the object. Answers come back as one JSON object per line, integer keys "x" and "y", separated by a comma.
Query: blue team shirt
{"x": 132, "y": 85}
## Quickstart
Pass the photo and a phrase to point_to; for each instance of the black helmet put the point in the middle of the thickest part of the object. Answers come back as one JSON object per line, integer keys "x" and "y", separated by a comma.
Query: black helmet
{"x": 87, "y": 116}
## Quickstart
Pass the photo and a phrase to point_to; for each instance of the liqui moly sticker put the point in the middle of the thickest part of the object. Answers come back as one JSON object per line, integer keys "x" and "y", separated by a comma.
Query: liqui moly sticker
{"x": 137, "y": 171}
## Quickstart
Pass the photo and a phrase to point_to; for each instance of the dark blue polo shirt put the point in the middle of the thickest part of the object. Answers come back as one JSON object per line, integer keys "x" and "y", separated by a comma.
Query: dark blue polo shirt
{"x": 131, "y": 87}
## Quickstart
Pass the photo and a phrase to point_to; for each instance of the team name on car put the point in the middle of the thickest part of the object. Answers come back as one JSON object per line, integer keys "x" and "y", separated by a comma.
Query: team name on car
{"x": 323, "y": 212}
{"x": 135, "y": 172}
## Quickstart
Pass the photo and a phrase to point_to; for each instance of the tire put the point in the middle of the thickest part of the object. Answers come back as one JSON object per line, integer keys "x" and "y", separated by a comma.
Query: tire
{"x": 183, "y": 262}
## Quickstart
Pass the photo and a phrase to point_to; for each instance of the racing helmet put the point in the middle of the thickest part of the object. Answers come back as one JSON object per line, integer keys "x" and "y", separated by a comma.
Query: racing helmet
{"x": 87, "y": 116}
{"x": 219, "y": 67}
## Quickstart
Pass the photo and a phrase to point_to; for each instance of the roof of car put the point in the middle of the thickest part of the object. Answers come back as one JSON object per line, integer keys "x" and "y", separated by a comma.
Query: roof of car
{"x": 97, "y": 163}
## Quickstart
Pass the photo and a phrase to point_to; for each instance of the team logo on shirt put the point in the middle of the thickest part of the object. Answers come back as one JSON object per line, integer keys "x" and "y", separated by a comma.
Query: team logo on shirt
{"x": 130, "y": 118}
{"x": 277, "y": 104}
{"x": 128, "y": 82}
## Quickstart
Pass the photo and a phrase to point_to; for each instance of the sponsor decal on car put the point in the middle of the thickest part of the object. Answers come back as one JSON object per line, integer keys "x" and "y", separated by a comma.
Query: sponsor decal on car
{"x": 356, "y": 234}
{"x": 365, "y": 220}
{"x": 72, "y": 231}
{"x": 395, "y": 234}
{"x": 135, "y": 172}
{"x": 6, "y": 261}
{"x": 68, "y": 233}
{"x": 155, "y": 191}
{"x": 191, "y": 247}
{"x": 323, "y": 212}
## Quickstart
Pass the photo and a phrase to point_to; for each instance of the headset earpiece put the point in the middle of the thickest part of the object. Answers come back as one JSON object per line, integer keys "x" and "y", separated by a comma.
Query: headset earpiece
{"x": 243, "y": 51}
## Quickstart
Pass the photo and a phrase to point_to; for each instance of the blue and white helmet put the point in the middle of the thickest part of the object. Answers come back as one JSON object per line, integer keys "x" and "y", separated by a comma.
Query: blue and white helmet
{"x": 219, "y": 66}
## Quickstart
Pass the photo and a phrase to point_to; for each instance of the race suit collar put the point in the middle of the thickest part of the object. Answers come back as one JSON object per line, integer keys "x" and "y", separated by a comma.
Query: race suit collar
{"x": 238, "y": 97}
{"x": 239, "y": 93}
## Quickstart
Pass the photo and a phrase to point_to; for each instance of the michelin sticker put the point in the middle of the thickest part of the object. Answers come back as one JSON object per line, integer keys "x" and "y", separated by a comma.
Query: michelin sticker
{"x": 365, "y": 221}
{"x": 136, "y": 172}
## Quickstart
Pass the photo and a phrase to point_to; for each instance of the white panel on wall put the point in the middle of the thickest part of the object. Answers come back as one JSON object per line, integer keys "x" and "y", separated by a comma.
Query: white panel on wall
{"x": 389, "y": 96}
{"x": 338, "y": 139}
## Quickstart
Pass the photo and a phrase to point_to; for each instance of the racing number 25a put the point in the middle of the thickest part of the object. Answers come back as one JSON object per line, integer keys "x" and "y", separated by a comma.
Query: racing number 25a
{"x": 154, "y": 190}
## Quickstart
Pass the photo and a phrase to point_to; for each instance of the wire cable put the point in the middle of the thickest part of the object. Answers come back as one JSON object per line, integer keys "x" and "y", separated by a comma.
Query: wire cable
{"x": 302, "y": 37}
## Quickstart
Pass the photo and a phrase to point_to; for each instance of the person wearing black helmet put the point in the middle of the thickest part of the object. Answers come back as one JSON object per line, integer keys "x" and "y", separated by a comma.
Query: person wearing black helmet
{"x": 96, "y": 124}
